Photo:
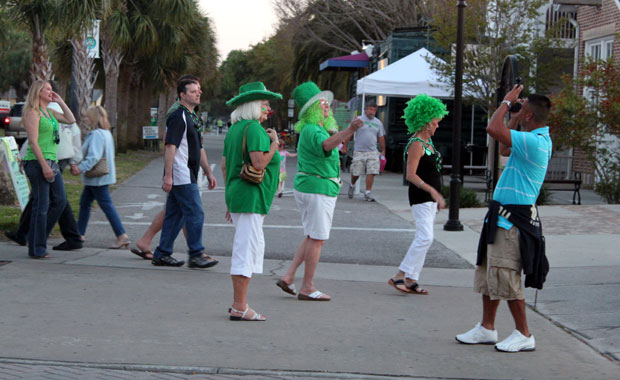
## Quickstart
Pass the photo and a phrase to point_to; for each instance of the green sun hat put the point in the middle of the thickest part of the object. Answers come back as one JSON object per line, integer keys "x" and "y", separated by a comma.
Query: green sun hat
{"x": 252, "y": 91}
{"x": 307, "y": 93}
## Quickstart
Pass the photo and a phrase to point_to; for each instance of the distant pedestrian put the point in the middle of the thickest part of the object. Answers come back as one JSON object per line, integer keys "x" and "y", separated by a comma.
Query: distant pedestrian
{"x": 41, "y": 163}
{"x": 317, "y": 183}
{"x": 422, "y": 117}
{"x": 183, "y": 157}
{"x": 99, "y": 145}
{"x": 247, "y": 203}
{"x": 283, "y": 155}
{"x": 511, "y": 240}
{"x": 365, "y": 154}
{"x": 69, "y": 151}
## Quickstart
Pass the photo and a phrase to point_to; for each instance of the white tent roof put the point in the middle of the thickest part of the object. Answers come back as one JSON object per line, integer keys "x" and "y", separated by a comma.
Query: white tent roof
{"x": 409, "y": 76}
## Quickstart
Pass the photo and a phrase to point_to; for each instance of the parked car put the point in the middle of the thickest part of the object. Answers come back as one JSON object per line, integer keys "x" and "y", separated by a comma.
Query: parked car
{"x": 15, "y": 126}
{"x": 5, "y": 109}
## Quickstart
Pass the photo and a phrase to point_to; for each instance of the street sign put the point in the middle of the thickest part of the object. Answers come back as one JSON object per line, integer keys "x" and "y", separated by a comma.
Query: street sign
{"x": 291, "y": 112}
{"x": 150, "y": 132}
{"x": 9, "y": 154}
{"x": 291, "y": 103}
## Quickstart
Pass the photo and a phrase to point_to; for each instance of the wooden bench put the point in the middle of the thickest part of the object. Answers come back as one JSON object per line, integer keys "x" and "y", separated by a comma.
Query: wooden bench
{"x": 573, "y": 185}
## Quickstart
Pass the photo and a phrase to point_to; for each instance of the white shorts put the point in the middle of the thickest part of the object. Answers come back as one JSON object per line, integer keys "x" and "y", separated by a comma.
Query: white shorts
{"x": 249, "y": 244}
{"x": 317, "y": 211}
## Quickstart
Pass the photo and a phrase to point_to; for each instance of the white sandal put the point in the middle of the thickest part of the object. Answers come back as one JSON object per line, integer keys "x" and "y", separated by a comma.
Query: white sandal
{"x": 255, "y": 318}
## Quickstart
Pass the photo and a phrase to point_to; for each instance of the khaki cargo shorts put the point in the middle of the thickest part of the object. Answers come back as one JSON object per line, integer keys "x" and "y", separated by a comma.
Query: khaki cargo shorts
{"x": 499, "y": 276}
{"x": 365, "y": 163}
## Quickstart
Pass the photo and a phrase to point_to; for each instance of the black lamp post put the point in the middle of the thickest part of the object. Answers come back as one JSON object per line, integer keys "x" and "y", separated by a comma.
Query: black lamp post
{"x": 453, "y": 223}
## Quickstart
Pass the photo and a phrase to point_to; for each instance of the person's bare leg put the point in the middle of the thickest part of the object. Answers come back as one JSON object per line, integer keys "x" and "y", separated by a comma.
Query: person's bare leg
{"x": 517, "y": 309}
{"x": 354, "y": 179}
{"x": 370, "y": 179}
{"x": 144, "y": 244}
{"x": 299, "y": 258}
{"x": 313, "y": 254}
{"x": 240, "y": 296}
{"x": 489, "y": 310}
{"x": 240, "y": 291}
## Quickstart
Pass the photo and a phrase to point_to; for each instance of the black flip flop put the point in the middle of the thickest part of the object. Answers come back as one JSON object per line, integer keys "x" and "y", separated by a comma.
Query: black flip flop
{"x": 397, "y": 282}
{"x": 143, "y": 254}
{"x": 416, "y": 289}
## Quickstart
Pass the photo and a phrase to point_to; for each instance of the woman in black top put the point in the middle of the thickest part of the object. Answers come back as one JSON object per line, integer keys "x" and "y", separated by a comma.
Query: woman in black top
{"x": 422, "y": 117}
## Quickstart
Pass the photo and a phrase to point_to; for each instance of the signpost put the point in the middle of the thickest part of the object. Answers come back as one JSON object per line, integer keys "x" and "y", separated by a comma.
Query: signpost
{"x": 9, "y": 154}
{"x": 150, "y": 135}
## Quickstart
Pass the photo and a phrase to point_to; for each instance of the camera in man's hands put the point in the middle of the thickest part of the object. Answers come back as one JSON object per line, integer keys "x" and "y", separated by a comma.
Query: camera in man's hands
{"x": 516, "y": 107}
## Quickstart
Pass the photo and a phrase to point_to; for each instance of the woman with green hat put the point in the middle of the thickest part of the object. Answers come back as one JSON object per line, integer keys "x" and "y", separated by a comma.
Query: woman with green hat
{"x": 317, "y": 183}
{"x": 248, "y": 202}
{"x": 422, "y": 117}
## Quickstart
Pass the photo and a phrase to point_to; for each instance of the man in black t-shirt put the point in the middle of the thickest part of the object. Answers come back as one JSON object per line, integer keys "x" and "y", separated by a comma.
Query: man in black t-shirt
{"x": 183, "y": 157}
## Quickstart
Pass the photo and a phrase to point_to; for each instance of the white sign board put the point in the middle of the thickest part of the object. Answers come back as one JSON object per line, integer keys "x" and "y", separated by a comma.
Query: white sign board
{"x": 9, "y": 153}
{"x": 291, "y": 112}
{"x": 150, "y": 132}
{"x": 92, "y": 40}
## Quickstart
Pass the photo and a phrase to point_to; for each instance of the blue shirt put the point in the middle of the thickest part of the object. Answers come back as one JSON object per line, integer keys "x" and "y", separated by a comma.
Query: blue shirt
{"x": 525, "y": 171}
{"x": 96, "y": 144}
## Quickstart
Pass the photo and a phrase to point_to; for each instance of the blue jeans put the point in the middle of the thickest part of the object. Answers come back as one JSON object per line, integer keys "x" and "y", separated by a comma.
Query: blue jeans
{"x": 102, "y": 195}
{"x": 183, "y": 207}
{"x": 48, "y": 201}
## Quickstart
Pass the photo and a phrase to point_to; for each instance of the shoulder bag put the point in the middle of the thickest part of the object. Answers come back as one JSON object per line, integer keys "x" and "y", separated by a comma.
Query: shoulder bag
{"x": 101, "y": 168}
{"x": 248, "y": 172}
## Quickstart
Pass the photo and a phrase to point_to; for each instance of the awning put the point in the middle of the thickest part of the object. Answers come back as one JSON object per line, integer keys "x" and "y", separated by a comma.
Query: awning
{"x": 346, "y": 62}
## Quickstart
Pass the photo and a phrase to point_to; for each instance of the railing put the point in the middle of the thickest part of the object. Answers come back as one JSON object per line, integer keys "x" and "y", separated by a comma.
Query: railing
{"x": 560, "y": 15}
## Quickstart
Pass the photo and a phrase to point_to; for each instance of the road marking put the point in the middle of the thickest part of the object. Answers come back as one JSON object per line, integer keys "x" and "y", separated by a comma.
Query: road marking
{"x": 367, "y": 229}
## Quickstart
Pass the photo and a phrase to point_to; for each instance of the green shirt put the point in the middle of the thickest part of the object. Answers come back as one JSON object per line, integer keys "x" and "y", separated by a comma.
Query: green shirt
{"x": 318, "y": 164}
{"x": 243, "y": 196}
{"x": 46, "y": 140}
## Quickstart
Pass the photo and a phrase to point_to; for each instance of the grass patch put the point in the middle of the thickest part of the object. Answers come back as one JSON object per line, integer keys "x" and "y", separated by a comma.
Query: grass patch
{"x": 127, "y": 164}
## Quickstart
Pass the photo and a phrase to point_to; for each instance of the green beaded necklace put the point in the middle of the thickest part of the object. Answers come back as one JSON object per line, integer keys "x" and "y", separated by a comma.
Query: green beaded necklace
{"x": 427, "y": 150}
{"x": 193, "y": 116}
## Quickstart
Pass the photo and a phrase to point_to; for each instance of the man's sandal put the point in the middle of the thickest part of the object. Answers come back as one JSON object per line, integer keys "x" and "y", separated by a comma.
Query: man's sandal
{"x": 254, "y": 318}
{"x": 397, "y": 283}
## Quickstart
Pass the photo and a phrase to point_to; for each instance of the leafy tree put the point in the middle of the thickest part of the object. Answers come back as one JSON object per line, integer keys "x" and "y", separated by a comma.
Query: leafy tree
{"x": 494, "y": 29}
{"x": 14, "y": 59}
{"x": 592, "y": 125}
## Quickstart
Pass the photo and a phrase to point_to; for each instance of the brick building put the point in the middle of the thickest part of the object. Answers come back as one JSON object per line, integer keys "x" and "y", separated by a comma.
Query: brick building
{"x": 598, "y": 38}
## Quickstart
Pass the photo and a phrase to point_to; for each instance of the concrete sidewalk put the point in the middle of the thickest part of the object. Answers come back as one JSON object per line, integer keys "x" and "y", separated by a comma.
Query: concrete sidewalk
{"x": 107, "y": 311}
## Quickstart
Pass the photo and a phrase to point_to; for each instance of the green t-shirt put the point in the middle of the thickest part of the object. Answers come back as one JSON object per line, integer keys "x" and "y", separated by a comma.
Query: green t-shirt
{"x": 47, "y": 142}
{"x": 318, "y": 164}
{"x": 243, "y": 196}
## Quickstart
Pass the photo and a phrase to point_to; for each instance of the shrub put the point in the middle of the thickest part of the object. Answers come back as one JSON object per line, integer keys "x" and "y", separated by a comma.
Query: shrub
{"x": 467, "y": 198}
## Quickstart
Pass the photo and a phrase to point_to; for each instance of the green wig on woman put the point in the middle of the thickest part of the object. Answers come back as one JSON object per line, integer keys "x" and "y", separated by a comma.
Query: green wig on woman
{"x": 421, "y": 110}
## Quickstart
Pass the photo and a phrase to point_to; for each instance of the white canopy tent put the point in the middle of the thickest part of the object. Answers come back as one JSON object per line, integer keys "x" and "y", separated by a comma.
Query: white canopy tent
{"x": 407, "y": 77}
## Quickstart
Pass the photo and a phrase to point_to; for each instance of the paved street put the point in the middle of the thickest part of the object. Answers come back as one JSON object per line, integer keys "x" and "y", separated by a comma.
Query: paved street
{"x": 106, "y": 314}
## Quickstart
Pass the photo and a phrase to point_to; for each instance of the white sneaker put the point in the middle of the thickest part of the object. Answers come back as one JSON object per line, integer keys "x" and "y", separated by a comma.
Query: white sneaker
{"x": 478, "y": 335}
{"x": 351, "y": 191}
{"x": 516, "y": 342}
{"x": 368, "y": 197}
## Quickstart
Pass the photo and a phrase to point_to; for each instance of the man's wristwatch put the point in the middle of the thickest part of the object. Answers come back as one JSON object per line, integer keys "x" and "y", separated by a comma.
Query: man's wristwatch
{"x": 507, "y": 103}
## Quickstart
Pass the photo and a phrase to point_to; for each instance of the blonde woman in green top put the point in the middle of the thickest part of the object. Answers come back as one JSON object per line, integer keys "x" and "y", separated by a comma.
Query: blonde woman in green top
{"x": 317, "y": 183}
{"x": 41, "y": 163}
{"x": 248, "y": 203}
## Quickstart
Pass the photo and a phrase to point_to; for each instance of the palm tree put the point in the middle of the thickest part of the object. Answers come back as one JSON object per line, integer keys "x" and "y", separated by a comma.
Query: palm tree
{"x": 38, "y": 16}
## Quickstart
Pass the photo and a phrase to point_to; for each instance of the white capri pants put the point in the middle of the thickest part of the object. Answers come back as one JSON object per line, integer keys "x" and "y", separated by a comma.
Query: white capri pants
{"x": 317, "y": 211}
{"x": 249, "y": 244}
{"x": 424, "y": 216}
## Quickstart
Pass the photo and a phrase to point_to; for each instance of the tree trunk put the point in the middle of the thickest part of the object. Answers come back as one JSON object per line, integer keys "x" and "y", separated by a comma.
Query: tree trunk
{"x": 111, "y": 64}
{"x": 123, "y": 96}
{"x": 85, "y": 77}
{"x": 41, "y": 67}
{"x": 161, "y": 113}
